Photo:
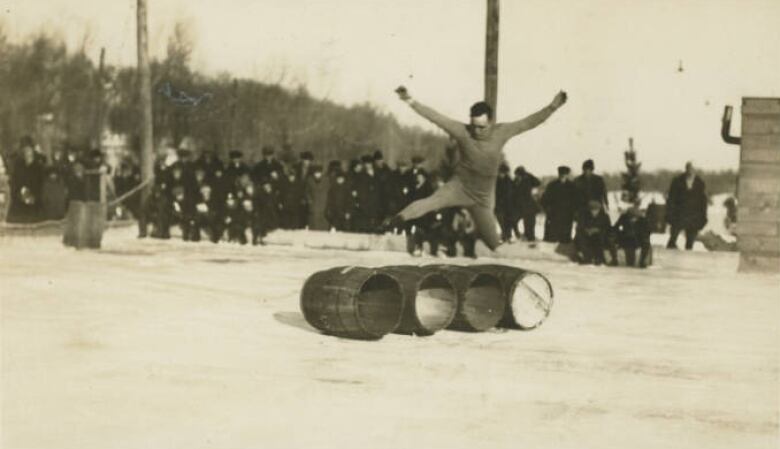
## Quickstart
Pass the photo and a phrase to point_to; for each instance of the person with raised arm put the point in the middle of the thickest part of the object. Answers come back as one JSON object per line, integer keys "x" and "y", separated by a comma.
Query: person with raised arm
{"x": 480, "y": 144}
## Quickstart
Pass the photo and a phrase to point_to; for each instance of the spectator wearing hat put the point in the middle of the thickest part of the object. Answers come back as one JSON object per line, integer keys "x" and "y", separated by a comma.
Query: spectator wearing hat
{"x": 368, "y": 197}
{"x": 560, "y": 203}
{"x": 235, "y": 169}
{"x": 590, "y": 186}
{"x": 524, "y": 203}
{"x": 210, "y": 163}
{"x": 593, "y": 228}
{"x": 340, "y": 203}
{"x": 303, "y": 166}
{"x": 317, "y": 186}
{"x": 268, "y": 168}
{"x": 384, "y": 180}
{"x": 504, "y": 208}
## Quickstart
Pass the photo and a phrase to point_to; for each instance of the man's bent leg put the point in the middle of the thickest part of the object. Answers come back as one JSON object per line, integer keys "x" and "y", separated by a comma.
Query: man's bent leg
{"x": 485, "y": 222}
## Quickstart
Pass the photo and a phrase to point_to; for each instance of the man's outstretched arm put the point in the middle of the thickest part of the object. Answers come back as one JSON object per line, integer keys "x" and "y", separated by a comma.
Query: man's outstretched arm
{"x": 450, "y": 126}
{"x": 512, "y": 129}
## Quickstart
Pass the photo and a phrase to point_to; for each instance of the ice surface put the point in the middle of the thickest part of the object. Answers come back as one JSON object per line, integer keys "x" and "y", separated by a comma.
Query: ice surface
{"x": 151, "y": 344}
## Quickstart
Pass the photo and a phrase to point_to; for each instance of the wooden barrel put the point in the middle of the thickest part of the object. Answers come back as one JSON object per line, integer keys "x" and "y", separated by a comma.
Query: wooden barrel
{"x": 84, "y": 224}
{"x": 430, "y": 299}
{"x": 529, "y": 296}
{"x": 481, "y": 301}
{"x": 352, "y": 302}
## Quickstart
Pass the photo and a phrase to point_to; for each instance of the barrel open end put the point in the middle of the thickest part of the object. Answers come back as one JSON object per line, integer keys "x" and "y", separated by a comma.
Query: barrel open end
{"x": 483, "y": 302}
{"x": 436, "y": 304}
{"x": 531, "y": 301}
{"x": 380, "y": 305}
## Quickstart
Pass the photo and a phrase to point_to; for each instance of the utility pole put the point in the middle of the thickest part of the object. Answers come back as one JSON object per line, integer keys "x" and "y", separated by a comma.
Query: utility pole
{"x": 99, "y": 103}
{"x": 491, "y": 55}
{"x": 145, "y": 97}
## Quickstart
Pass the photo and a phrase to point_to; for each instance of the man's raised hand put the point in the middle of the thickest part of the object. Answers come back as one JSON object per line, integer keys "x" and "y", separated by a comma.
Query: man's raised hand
{"x": 559, "y": 100}
{"x": 403, "y": 94}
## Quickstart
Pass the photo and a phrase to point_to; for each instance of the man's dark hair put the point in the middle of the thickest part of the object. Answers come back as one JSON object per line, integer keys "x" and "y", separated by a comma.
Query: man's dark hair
{"x": 481, "y": 108}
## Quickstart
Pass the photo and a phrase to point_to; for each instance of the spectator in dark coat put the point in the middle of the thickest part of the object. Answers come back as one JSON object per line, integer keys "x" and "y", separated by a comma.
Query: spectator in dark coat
{"x": 590, "y": 187}
{"x": 266, "y": 218}
{"x": 366, "y": 185}
{"x": 210, "y": 163}
{"x": 633, "y": 232}
{"x": 339, "y": 208}
{"x": 560, "y": 201}
{"x": 291, "y": 202}
{"x": 207, "y": 216}
{"x": 317, "y": 187}
{"x": 686, "y": 207}
{"x": 524, "y": 202}
{"x": 268, "y": 168}
{"x": 504, "y": 203}
{"x": 235, "y": 169}
{"x": 593, "y": 228}
{"x": 384, "y": 178}
{"x": 26, "y": 181}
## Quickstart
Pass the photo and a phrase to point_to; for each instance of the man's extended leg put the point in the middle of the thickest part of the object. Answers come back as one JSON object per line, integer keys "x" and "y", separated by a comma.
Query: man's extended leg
{"x": 485, "y": 222}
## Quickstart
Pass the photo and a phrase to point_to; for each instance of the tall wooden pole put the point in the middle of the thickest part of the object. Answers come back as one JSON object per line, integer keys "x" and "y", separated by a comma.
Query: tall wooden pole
{"x": 97, "y": 133}
{"x": 491, "y": 55}
{"x": 145, "y": 103}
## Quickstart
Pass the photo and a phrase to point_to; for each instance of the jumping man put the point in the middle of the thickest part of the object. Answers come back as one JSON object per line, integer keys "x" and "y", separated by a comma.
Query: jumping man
{"x": 481, "y": 146}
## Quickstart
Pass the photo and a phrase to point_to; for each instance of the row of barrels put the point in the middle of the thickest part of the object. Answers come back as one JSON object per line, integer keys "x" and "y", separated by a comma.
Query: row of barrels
{"x": 368, "y": 303}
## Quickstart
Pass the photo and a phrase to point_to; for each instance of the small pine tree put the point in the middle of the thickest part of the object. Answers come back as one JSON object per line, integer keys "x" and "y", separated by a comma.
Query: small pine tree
{"x": 631, "y": 183}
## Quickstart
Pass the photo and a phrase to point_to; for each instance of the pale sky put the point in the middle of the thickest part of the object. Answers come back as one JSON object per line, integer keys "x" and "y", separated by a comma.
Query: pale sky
{"x": 617, "y": 59}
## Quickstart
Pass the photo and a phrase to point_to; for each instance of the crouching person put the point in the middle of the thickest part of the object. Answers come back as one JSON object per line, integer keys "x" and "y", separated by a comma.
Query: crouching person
{"x": 442, "y": 233}
{"x": 465, "y": 232}
{"x": 633, "y": 232}
{"x": 592, "y": 237}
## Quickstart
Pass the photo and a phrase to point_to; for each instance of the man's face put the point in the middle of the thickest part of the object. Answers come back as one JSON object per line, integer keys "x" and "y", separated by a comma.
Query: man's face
{"x": 689, "y": 170}
{"x": 29, "y": 154}
{"x": 587, "y": 172}
{"x": 480, "y": 126}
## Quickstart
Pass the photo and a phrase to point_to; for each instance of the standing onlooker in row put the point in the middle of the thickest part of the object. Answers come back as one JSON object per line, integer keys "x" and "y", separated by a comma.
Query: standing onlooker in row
{"x": 560, "y": 201}
{"x": 686, "y": 207}
{"x": 26, "y": 180}
{"x": 524, "y": 202}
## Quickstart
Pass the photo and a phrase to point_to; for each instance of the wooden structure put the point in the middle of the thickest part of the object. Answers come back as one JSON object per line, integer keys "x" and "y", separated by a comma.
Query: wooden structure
{"x": 481, "y": 301}
{"x": 758, "y": 188}
{"x": 491, "y": 55}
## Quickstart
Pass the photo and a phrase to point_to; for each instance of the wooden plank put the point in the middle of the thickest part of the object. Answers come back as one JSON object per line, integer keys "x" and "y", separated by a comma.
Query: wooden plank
{"x": 758, "y": 263}
{"x": 753, "y": 105}
{"x": 769, "y": 214}
{"x": 757, "y": 228}
{"x": 765, "y": 142}
{"x": 759, "y": 245}
{"x": 769, "y": 155}
{"x": 760, "y": 125}
{"x": 759, "y": 200}
{"x": 766, "y": 185}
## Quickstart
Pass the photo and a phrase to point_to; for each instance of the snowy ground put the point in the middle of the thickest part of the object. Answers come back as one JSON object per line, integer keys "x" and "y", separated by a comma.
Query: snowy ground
{"x": 149, "y": 344}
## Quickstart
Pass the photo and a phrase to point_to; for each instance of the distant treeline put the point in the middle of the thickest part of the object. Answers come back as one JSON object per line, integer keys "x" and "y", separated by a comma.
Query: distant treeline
{"x": 62, "y": 99}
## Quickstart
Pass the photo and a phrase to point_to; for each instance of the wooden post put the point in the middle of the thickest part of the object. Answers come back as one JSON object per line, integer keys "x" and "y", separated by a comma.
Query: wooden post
{"x": 99, "y": 108}
{"x": 145, "y": 98}
{"x": 491, "y": 55}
